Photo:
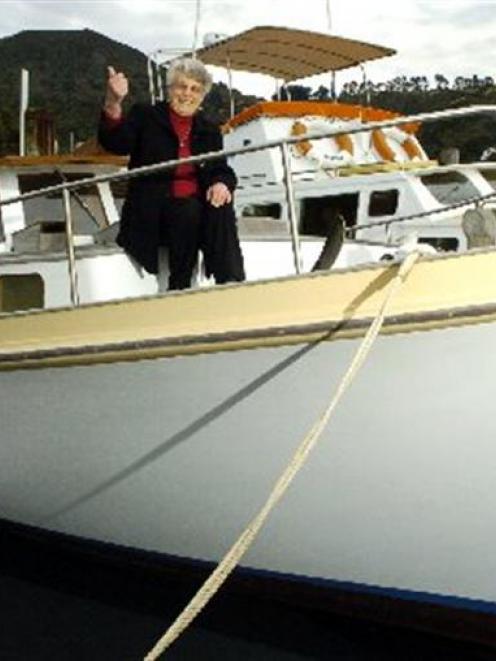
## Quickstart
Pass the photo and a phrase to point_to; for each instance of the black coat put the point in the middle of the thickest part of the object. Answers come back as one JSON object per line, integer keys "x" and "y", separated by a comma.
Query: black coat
{"x": 147, "y": 136}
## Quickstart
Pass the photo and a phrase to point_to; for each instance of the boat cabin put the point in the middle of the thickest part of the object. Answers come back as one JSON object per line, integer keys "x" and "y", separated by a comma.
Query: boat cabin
{"x": 33, "y": 243}
{"x": 369, "y": 182}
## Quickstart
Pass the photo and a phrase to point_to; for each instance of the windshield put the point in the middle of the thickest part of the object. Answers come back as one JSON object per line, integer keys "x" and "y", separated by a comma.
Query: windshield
{"x": 449, "y": 187}
{"x": 489, "y": 176}
{"x": 86, "y": 206}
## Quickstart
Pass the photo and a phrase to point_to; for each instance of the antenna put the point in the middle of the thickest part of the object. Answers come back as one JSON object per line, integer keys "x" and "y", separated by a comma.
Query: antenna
{"x": 197, "y": 27}
{"x": 328, "y": 14}
{"x": 332, "y": 87}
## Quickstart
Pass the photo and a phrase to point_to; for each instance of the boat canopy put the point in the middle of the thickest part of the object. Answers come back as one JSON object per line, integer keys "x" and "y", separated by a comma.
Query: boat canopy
{"x": 289, "y": 54}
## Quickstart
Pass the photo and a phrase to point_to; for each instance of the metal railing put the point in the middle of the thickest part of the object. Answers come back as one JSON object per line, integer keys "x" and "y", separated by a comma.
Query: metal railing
{"x": 281, "y": 143}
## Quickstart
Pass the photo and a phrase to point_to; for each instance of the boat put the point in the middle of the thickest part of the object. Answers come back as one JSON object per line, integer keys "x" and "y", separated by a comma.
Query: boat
{"x": 157, "y": 422}
{"x": 379, "y": 181}
{"x": 33, "y": 254}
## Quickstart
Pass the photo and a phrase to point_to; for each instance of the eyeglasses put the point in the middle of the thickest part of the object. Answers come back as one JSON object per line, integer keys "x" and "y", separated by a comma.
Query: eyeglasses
{"x": 192, "y": 88}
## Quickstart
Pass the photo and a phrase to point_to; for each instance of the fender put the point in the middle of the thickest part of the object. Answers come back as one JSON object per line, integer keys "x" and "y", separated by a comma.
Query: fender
{"x": 407, "y": 142}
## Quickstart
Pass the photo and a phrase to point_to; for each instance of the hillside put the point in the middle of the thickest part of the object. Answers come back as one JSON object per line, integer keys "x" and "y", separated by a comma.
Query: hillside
{"x": 67, "y": 74}
{"x": 67, "y": 77}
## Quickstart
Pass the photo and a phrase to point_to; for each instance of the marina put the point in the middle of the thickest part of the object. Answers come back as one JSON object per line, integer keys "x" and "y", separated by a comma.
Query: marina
{"x": 390, "y": 518}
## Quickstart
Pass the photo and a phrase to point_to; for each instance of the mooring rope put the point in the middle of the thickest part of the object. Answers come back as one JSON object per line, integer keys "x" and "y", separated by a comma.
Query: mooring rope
{"x": 242, "y": 544}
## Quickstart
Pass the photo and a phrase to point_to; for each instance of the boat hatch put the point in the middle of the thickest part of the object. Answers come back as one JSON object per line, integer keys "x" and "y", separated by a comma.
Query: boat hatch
{"x": 21, "y": 292}
{"x": 449, "y": 187}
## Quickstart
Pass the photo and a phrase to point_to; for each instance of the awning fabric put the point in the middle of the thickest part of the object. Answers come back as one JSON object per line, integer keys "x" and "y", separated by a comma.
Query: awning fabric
{"x": 288, "y": 54}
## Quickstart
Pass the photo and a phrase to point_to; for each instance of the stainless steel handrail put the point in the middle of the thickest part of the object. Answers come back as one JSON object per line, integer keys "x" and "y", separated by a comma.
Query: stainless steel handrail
{"x": 290, "y": 199}
{"x": 282, "y": 143}
{"x": 71, "y": 254}
{"x": 268, "y": 144}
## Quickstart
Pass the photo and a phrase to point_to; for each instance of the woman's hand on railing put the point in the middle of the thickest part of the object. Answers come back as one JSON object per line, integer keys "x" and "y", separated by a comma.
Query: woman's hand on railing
{"x": 117, "y": 89}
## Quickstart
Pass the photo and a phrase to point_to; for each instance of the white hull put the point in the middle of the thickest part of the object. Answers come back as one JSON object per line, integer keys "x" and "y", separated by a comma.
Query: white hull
{"x": 176, "y": 454}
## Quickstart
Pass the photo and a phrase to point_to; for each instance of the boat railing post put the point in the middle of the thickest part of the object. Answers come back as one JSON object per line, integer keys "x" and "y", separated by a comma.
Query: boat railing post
{"x": 293, "y": 221}
{"x": 71, "y": 256}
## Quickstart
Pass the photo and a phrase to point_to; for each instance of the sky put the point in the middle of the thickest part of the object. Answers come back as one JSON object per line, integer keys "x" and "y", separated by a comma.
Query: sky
{"x": 450, "y": 37}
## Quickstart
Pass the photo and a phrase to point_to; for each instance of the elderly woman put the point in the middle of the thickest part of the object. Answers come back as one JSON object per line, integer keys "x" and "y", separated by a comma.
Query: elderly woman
{"x": 185, "y": 208}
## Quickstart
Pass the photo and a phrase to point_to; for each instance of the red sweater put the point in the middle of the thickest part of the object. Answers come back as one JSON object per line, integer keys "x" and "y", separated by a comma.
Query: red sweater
{"x": 184, "y": 182}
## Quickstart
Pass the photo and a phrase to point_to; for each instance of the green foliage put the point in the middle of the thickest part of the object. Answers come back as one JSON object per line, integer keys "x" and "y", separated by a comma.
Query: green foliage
{"x": 9, "y": 133}
{"x": 294, "y": 93}
{"x": 471, "y": 135}
{"x": 67, "y": 78}
{"x": 217, "y": 104}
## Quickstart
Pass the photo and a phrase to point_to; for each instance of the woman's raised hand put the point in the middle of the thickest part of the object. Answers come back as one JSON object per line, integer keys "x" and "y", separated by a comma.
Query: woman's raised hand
{"x": 117, "y": 89}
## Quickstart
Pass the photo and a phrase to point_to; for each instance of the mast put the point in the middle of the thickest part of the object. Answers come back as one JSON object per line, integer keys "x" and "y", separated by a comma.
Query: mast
{"x": 23, "y": 106}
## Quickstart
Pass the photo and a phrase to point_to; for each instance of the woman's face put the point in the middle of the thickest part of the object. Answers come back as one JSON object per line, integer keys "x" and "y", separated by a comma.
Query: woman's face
{"x": 185, "y": 95}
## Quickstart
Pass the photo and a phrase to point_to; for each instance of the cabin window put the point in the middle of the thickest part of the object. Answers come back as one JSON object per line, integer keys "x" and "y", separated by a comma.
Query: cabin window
{"x": 21, "y": 292}
{"x": 441, "y": 243}
{"x": 383, "y": 202}
{"x": 490, "y": 177}
{"x": 87, "y": 210}
{"x": 272, "y": 210}
{"x": 449, "y": 187}
{"x": 318, "y": 213}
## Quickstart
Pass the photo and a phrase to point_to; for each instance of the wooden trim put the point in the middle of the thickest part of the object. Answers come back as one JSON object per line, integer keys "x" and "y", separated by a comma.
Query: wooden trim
{"x": 188, "y": 345}
{"x": 67, "y": 159}
{"x": 442, "y": 291}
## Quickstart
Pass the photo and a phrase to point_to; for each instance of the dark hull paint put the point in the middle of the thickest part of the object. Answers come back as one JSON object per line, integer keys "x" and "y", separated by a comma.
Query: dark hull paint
{"x": 460, "y": 619}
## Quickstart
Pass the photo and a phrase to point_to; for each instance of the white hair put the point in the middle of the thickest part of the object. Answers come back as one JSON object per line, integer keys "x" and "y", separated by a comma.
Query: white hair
{"x": 192, "y": 69}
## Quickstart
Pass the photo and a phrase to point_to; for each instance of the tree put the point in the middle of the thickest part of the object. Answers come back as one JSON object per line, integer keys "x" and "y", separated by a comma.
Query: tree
{"x": 322, "y": 94}
{"x": 441, "y": 82}
{"x": 9, "y": 133}
{"x": 295, "y": 93}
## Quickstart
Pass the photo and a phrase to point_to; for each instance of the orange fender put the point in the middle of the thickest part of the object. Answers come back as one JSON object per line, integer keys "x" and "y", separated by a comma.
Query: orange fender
{"x": 411, "y": 148}
{"x": 304, "y": 146}
{"x": 381, "y": 146}
{"x": 407, "y": 143}
{"x": 343, "y": 141}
